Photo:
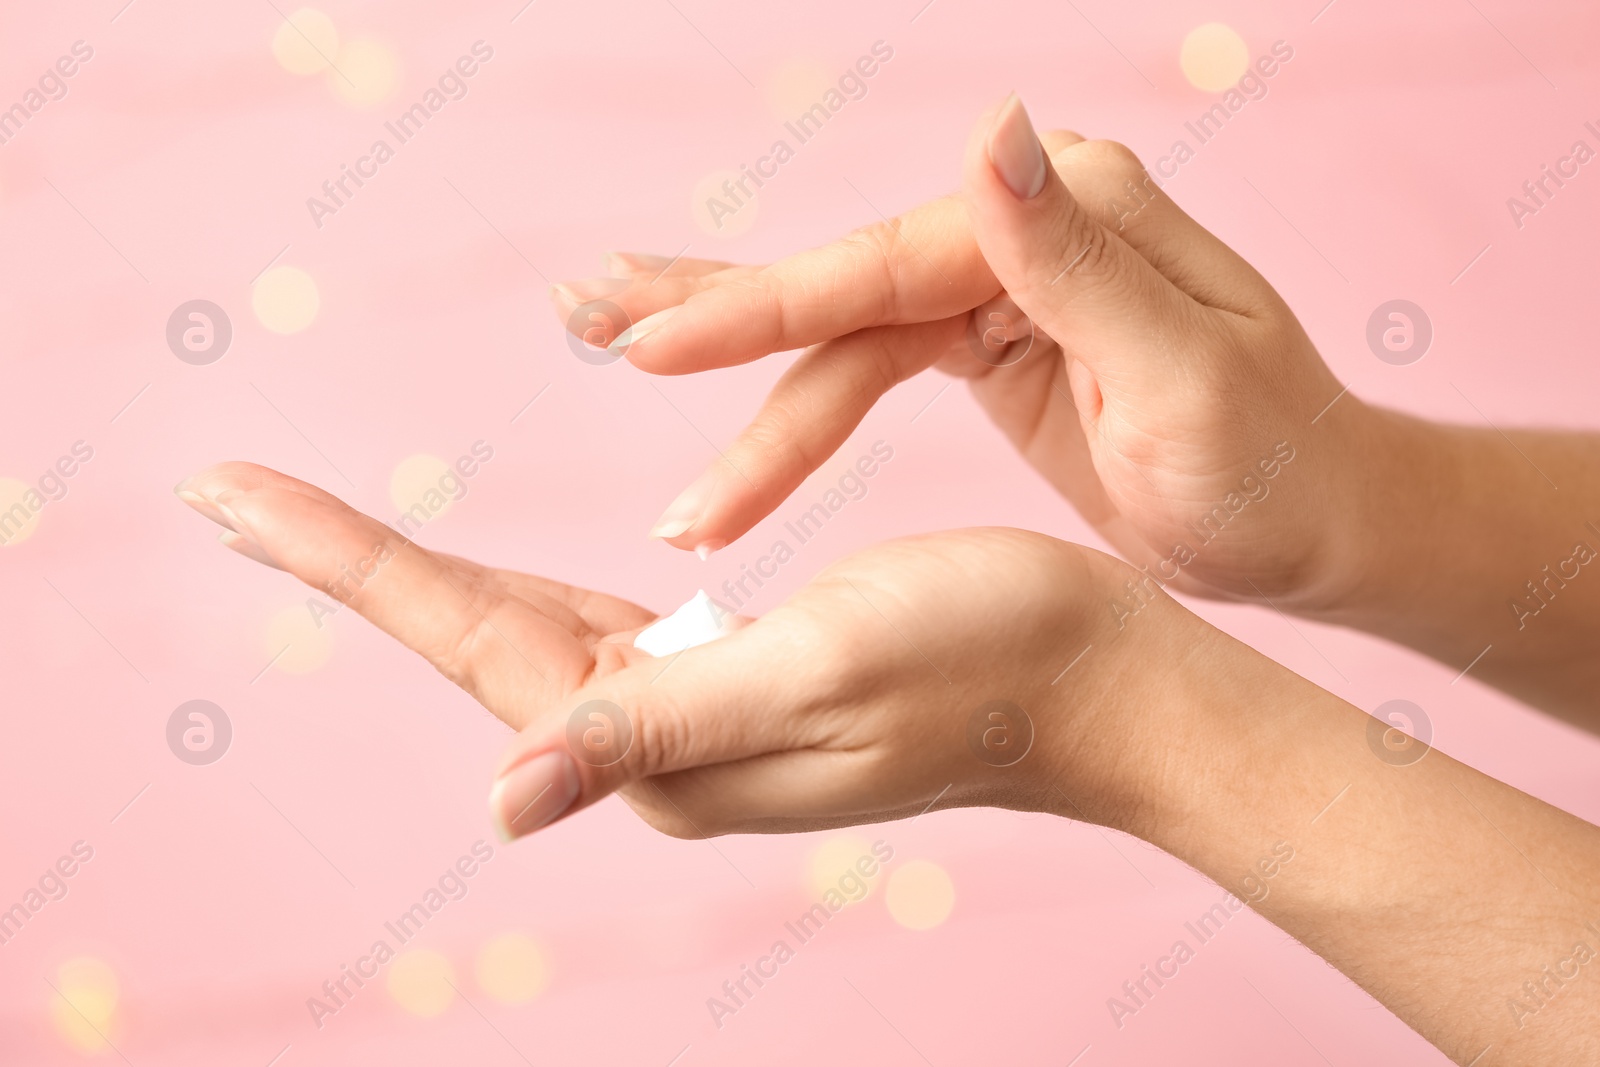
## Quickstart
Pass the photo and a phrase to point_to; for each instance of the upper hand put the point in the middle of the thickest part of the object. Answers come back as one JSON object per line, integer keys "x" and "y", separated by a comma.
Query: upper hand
{"x": 1164, "y": 383}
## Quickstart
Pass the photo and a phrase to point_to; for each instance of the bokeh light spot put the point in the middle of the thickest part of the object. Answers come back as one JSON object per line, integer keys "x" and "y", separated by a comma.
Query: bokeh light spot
{"x": 421, "y": 981}
{"x": 86, "y": 1009}
{"x": 920, "y": 895}
{"x": 365, "y": 74}
{"x": 286, "y": 300}
{"x": 720, "y": 207}
{"x": 422, "y": 480}
{"x": 305, "y": 42}
{"x": 294, "y": 643}
{"x": 833, "y": 859}
{"x": 511, "y": 969}
{"x": 1214, "y": 57}
{"x": 18, "y": 519}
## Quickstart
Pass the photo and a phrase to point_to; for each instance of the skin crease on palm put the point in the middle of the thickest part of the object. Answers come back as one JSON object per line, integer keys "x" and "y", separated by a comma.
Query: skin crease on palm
{"x": 1170, "y": 364}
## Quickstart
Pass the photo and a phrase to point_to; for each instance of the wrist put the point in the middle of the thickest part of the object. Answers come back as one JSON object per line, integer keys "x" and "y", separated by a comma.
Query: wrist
{"x": 1123, "y": 707}
{"x": 1388, "y": 479}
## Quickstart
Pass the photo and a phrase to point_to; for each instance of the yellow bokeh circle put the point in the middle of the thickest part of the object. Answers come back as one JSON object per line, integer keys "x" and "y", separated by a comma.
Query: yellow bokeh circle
{"x": 305, "y": 42}
{"x": 511, "y": 969}
{"x": 85, "y": 1011}
{"x": 421, "y": 982}
{"x": 295, "y": 643}
{"x": 365, "y": 73}
{"x": 424, "y": 480}
{"x": 18, "y": 519}
{"x": 1214, "y": 57}
{"x": 286, "y": 300}
{"x": 833, "y": 859}
{"x": 720, "y": 207}
{"x": 920, "y": 895}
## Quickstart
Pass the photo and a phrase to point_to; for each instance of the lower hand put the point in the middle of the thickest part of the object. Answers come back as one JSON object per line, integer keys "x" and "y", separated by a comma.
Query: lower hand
{"x": 897, "y": 678}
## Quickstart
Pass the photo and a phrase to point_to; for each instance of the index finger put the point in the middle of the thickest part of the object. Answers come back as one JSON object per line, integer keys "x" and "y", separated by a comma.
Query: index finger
{"x": 920, "y": 266}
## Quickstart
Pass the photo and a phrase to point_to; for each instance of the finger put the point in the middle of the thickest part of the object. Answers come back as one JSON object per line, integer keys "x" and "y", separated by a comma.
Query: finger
{"x": 704, "y": 707}
{"x": 1081, "y": 284}
{"x": 601, "y": 309}
{"x": 1124, "y": 197}
{"x": 650, "y": 267}
{"x": 456, "y": 616}
{"x": 920, "y": 267}
{"x": 778, "y": 793}
{"x": 999, "y": 334}
{"x": 1059, "y": 140}
{"x": 812, "y": 410}
{"x": 600, "y": 612}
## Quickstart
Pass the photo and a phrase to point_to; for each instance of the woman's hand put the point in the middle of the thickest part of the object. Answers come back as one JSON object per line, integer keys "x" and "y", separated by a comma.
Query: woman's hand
{"x": 981, "y": 668}
{"x": 926, "y": 670}
{"x": 1151, "y": 374}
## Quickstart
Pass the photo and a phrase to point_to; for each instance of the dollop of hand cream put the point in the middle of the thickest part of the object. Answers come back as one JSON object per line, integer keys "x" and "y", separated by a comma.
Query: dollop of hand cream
{"x": 697, "y": 622}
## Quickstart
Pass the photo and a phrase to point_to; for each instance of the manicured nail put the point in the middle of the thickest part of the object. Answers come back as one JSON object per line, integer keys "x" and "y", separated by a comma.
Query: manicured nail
{"x": 1015, "y": 151}
{"x": 685, "y": 511}
{"x": 636, "y": 263}
{"x": 705, "y": 548}
{"x": 587, "y": 289}
{"x": 533, "y": 794}
{"x": 642, "y": 329}
{"x": 247, "y": 548}
{"x": 231, "y": 517}
{"x": 200, "y": 504}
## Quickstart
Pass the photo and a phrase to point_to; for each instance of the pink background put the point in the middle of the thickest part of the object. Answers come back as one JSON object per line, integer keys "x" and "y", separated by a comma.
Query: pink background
{"x": 1390, "y": 143}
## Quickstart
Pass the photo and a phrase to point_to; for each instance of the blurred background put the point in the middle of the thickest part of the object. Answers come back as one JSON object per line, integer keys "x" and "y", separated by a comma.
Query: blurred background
{"x": 240, "y": 860}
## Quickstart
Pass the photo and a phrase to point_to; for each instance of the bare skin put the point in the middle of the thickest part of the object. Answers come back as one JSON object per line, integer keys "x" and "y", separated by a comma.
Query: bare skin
{"x": 1161, "y": 371}
{"x": 854, "y": 702}
{"x": 1471, "y": 910}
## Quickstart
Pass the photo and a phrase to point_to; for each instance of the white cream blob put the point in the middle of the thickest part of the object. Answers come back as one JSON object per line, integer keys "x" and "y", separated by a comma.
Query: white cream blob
{"x": 697, "y": 622}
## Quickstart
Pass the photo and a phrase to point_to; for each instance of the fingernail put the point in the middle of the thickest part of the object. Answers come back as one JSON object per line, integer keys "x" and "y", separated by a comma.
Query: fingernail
{"x": 685, "y": 511}
{"x": 200, "y": 504}
{"x": 533, "y": 794}
{"x": 1015, "y": 151}
{"x": 231, "y": 517}
{"x": 705, "y": 548}
{"x": 630, "y": 262}
{"x": 642, "y": 329}
{"x": 247, "y": 548}
{"x": 587, "y": 289}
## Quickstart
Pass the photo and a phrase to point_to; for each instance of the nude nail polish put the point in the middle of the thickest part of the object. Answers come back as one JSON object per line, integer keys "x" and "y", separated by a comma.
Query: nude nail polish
{"x": 585, "y": 290}
{"x": 200, "y": 504}
{"x": 248, "y": 549}
{"x": 636, "y": 262}
{"x": 1015, "y": 151}
{"x": 533, "y": 794}
{"x": 686, "y": 510}
{"x": 641, "y": 329}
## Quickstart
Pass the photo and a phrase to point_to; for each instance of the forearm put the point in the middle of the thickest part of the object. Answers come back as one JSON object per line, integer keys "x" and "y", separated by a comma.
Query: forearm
{"x": 1476, "y": 547}
{"x": 1450, "y": 897}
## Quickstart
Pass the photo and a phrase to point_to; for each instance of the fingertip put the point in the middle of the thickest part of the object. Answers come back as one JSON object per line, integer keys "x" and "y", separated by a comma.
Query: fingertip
{"x": 530, "y": 794}
{"x": 248, "y": 549}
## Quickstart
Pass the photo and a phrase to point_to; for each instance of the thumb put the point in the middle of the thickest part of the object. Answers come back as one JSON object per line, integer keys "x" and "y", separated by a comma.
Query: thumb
{"x": 652, "y": 717}
{"x": 1080, "y": 283}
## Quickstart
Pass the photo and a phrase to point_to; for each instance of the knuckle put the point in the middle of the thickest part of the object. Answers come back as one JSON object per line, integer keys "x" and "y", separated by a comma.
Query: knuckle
{"x": 1058, "y": 140}
{"x": 661, "y": 740}
{"x": 1113, "y": 156}
{"x": 873, "y": 254}
{"x": 1085, "y": 246}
